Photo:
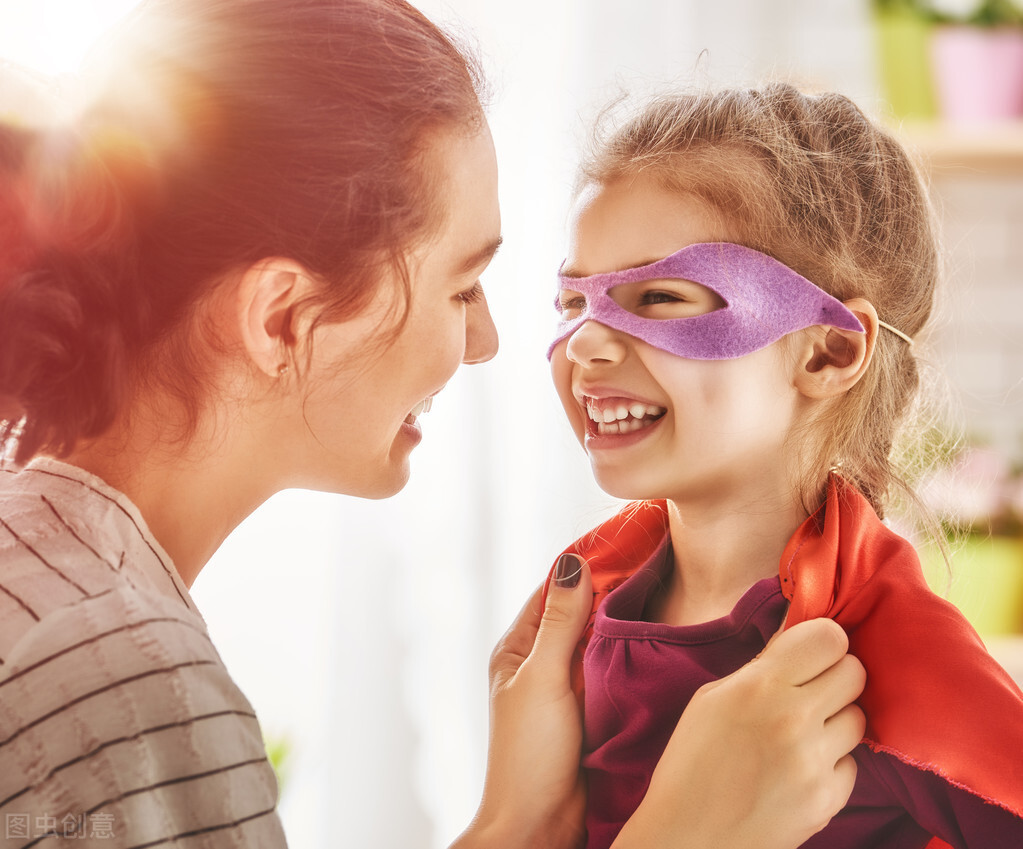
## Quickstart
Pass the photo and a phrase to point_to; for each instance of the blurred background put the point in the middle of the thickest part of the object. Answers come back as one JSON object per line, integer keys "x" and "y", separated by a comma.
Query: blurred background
{"x": 365, "y": 652}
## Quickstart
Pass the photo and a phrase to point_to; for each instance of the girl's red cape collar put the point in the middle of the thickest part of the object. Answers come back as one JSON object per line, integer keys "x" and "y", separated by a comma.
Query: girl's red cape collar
{"x": 934, "y": 697}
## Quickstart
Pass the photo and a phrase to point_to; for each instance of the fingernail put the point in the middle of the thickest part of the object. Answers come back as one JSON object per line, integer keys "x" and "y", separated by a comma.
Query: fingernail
{"x": 568, "y": 570}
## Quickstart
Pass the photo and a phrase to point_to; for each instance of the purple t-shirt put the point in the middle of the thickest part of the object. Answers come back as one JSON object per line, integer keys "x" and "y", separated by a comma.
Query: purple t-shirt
{"x": 641, "y": 675}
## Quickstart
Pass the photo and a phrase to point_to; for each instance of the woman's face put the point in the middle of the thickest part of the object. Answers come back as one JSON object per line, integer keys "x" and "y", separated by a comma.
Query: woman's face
{"x": 359, "y": 411}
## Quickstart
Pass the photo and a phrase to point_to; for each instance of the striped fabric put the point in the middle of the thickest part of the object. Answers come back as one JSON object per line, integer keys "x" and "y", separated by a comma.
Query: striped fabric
{"x": 119, "y": 724}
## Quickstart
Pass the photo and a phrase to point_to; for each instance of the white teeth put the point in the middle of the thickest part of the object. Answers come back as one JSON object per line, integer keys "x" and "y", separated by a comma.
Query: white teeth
{"x": 422, "y": 407}
{"x": 622, "y": 418}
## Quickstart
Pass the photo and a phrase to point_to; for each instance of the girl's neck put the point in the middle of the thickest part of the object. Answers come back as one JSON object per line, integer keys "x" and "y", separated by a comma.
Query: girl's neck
{"x": 721, "y": 548}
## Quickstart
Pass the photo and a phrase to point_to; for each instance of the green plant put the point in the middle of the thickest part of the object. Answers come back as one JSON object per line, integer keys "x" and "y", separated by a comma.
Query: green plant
{"x": 979, "y": 13}
{"x": 278, "y": 751}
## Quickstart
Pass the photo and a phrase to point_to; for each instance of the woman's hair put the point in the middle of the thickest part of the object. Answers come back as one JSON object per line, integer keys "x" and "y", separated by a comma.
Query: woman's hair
{"x": 224, "y": 132}
{"x": 811, "y": 181}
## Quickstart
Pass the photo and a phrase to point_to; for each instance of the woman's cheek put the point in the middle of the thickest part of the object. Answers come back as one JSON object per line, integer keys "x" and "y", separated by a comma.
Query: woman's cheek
{"x": 439, "y": 356}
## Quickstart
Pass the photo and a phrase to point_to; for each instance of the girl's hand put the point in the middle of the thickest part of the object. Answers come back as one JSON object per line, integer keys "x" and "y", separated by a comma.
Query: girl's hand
{"x": 533, "y": 795}
{"x": 760, "y": 758}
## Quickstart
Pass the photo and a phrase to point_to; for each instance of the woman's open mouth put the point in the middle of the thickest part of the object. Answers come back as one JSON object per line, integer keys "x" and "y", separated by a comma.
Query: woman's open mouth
{"x": 420, "y": 408}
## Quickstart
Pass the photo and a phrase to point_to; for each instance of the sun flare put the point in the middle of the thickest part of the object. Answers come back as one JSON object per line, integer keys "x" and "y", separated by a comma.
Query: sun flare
{"x": 52, "y": 37}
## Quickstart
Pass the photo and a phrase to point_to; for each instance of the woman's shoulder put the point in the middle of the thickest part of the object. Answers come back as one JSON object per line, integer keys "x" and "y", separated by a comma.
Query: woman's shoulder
{"x": 123, "y": 655}
{"x": 119, "y": 702}
{"x": 67, "y": 541}
{"x": 76, "y": 605}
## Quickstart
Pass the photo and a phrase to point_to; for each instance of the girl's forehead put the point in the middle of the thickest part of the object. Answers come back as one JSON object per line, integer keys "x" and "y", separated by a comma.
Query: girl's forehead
{"x": 635, "y": 220}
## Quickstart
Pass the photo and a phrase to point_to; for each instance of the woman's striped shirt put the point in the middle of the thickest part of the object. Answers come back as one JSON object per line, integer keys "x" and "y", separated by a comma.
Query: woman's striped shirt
{"x": 119, "y": 724}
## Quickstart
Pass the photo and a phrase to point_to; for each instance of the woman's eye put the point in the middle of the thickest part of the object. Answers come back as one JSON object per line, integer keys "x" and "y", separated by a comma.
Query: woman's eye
{"x": 473, "y": 295}
{"x": 571, "y": 305}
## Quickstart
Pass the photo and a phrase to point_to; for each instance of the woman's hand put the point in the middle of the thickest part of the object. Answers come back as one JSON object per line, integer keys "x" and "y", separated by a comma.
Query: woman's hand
{"x": 760, "y": 758}
{"x": 533, "y": 795}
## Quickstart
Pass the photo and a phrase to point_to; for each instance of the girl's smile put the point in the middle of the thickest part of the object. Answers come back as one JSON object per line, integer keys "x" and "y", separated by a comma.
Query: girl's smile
{"x": 615, "y": 420}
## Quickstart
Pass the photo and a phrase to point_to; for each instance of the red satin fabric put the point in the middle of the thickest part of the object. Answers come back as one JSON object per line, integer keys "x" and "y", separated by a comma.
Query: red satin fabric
{"x": 934, "y": 698}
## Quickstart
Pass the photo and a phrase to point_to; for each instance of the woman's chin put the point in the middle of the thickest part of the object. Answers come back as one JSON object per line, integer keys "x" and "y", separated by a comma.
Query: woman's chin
{"x": 372, "y": 485}
{"x": 386, "y": 491}
{"x": 387, "y": 484}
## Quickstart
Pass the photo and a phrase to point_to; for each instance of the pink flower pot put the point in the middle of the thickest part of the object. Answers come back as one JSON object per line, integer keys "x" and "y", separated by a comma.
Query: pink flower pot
{"x": 978, "y": 73}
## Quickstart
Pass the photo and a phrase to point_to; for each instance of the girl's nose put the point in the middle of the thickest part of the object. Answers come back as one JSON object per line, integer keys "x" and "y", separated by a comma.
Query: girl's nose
{"x": 595, "y": 343}
{"x": 480, "y": 333}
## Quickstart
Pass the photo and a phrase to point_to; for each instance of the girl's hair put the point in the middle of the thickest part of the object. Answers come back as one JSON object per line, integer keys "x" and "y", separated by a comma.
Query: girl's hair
{"x": 814, "y": 183}
{"x": 225, "y": 132}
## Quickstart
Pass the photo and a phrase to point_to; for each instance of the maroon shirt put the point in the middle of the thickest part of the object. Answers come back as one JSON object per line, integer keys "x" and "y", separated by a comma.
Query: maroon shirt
{"x": 641, "y": 675}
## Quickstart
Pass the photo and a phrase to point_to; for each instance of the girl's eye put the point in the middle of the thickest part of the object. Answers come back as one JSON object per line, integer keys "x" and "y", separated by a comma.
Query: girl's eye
{"x": 570, "y": 305}
{"x": 473, "y": 295}
{"x": 660, "y": 297}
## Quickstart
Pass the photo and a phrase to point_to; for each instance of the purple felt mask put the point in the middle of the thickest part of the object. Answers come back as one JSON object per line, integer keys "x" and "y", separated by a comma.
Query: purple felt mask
{"x": 764, "y": 300}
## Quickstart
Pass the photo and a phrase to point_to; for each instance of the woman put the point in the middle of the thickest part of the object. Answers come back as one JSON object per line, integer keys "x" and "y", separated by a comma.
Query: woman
{"x": 250, "y": 266}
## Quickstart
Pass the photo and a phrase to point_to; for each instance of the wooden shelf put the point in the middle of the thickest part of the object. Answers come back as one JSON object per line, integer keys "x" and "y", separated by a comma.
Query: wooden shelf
{"x": 994, "y": 150}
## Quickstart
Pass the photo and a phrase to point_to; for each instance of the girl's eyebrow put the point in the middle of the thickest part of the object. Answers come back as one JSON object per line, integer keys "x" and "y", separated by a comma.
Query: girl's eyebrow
{"x": 480, "y": 257}
{"x": 568, "y": 271}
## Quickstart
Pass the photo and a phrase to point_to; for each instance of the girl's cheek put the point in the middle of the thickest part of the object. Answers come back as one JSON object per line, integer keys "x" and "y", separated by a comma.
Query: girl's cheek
{"x": 561, "y": 375}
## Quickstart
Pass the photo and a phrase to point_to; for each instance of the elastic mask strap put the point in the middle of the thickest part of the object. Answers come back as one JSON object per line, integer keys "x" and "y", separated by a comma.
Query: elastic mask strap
{"x": 907, "y": 339}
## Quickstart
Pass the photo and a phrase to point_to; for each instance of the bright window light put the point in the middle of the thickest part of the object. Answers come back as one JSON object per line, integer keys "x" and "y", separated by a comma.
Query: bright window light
{"x": 54, "y": 36}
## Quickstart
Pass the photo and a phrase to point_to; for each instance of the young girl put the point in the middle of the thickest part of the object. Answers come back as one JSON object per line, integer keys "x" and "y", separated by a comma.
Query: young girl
{"x": 746, "y": 273}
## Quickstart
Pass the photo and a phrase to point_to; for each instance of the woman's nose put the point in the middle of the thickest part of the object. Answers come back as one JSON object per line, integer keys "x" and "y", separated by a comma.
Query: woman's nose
{"x": 481, "y": 341}
{"x": 593, "y": 343}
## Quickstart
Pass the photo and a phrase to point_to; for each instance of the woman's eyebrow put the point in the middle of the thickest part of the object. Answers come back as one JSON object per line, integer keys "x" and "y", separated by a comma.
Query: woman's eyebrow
{"x": 480, "y": 257}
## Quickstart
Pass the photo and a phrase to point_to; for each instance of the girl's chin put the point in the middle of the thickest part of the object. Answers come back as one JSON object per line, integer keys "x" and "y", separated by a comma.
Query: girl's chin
{"x": 622, "y": 485}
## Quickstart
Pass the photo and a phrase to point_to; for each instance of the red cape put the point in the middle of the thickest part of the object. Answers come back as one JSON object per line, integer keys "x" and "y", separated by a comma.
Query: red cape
{"x": 934, "y": 697}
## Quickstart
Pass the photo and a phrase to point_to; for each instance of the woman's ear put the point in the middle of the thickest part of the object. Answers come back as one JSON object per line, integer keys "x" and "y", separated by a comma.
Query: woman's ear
{"x": 831, "y": 360}
{"x": 266, "y": 309}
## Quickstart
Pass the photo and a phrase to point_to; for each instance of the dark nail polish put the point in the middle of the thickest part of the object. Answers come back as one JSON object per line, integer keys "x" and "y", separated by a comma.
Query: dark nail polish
{"x": 568, "y": 570}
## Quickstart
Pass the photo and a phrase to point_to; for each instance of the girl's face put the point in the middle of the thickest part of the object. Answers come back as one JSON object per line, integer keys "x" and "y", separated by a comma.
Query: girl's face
{"x": 656, "y": 425}
{"x": 359, "y": 417}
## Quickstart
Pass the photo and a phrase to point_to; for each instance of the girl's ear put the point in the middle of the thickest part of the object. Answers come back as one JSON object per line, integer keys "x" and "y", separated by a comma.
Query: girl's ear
{"x": 267, "y": 301}
{"x": 831, "y": 361}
